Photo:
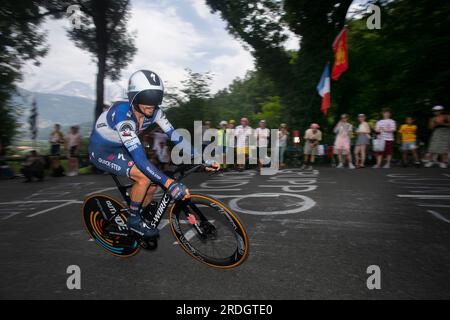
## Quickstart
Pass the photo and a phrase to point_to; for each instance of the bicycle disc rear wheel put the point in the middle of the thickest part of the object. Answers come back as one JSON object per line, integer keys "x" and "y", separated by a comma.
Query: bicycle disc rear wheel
{"x": 101, "y": 212}
{"x": 209, "y": 232}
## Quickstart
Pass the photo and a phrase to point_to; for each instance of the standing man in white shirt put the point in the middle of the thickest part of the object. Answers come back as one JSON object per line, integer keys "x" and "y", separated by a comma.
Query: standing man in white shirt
{"x": 242, "y": 134}
{"x": 262, "y": 135}
{"x": 386, "y": 129}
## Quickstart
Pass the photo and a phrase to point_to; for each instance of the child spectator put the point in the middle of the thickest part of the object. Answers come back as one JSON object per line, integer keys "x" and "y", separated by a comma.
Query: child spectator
{"x": 343, "y": 131}
{"x": 408, "y": 140}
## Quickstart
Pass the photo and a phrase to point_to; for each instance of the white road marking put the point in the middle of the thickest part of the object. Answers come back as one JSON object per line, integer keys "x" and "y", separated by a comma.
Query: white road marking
{"x": 40, "y": 201}
{"x": 424, "y": 196}
{"x": 298, "y": 188}
{"x": 12, "y": 214}
{"x": 306, "y": 204}
{"x": 208, "y": 190}
{"x": 433, "y": 205}
{"x": 50, "y": 209}
{"x": 437, "y": 215}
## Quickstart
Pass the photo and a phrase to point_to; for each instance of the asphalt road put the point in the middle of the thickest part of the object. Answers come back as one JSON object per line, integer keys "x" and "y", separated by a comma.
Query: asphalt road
{"x": 312, "y": 236}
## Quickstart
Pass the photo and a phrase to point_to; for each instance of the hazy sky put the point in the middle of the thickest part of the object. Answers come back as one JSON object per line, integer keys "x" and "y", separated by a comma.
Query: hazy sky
{"x": 171, "y": 35}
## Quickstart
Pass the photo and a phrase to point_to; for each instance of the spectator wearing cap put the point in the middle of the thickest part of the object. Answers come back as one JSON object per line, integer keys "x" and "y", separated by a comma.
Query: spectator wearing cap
{"x": 312, "y": 137}
{"x": 343, "y": 131}
{"x": 242, "y": 133}
{"x": 222, "y": 140}
{"x": 283, "y": 135}
{"x": 262, "y": 135}
{"x": 362, "y": 140}
{"x": 440, "y": 138}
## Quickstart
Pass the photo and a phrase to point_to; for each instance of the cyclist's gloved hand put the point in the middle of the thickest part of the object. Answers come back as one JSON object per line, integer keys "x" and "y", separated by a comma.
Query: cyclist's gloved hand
{"x": 177, "y": 190}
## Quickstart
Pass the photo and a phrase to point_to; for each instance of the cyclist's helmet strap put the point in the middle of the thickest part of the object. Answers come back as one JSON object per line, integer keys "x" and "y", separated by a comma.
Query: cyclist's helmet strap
{"x": 145, "y": 87}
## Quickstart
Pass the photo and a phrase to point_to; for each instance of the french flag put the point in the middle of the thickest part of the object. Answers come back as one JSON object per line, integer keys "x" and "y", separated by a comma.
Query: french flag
{"x": 324, "y": 89}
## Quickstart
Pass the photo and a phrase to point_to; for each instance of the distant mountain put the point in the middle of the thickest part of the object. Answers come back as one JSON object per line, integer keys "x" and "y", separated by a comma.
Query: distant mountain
{"x": 75, "y": 89}
{"x": 54, "y": 108}
{"x": 113, "y": 91}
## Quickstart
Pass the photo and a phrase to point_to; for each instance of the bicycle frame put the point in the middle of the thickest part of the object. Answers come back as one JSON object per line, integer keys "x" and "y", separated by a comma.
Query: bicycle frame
{"x": 166, "y": 199}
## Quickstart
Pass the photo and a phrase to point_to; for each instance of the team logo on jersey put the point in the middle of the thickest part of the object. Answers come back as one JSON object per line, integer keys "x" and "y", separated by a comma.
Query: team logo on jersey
{"x": 126, "y": 129}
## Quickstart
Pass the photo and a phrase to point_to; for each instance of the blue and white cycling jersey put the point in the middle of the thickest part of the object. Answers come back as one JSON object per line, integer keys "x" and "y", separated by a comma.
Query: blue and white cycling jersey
{"x": 114, "y": 145}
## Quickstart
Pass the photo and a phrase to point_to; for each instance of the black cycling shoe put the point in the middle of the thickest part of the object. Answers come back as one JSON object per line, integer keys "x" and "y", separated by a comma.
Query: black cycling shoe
{"x": 138, "y": 226}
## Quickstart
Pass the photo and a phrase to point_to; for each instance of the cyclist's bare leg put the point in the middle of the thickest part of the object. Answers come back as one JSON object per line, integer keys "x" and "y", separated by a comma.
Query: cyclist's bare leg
{"x": 149, "y": 195}
{"x": 141, "y": 185}
{"x": 143, "y": 189}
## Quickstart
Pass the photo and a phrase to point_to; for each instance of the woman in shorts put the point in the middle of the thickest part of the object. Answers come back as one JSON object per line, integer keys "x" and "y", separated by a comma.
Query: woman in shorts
{"x": 362, "y": 140}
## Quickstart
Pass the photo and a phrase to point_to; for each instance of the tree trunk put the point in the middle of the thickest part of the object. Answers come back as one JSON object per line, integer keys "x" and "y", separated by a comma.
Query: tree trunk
{"x": 102, "y": 52}
{"x": 100, "y": 85}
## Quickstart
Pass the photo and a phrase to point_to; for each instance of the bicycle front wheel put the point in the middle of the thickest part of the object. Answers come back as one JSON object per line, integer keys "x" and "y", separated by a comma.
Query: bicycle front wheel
{"x": 209, "y": 232}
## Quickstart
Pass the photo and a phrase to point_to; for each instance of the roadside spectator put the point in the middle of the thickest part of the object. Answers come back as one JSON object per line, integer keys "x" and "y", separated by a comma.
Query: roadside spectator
{"x": 362, "y": 140}
{"x": 262, "y": 135}
{"x": 205, "y": 142}
{"x": 343, "y": 131}
{"x": 242, "y": 133}
{"x": 283, "y": 135}
{"x": 312, "y": 137}
{"x": 33, "y": 167}
{"x": 56, "y": 139}
{"x": 440, "y": 138}
{"x": 231, "y": 141}
{"x": 5, "y": 170}
{"x": 222, "y": 141}
{"x": 73, "y": 144}
{"x": 408, "y": 139}
{"x": 163, "y": 155}
{"x": 385, "y": 129}
{"x": 158, "y": 136}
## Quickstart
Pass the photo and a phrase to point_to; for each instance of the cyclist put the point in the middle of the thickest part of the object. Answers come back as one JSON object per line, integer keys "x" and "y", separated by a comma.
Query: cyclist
{"x": 114, "y": 146}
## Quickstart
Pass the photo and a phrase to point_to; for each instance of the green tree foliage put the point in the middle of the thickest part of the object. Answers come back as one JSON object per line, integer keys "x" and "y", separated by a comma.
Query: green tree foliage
{"x": 253, "y": 97}
{"x": 20, "y": 41}
{"x": 262, "y": 24}
{"x": 105, "y": 35}
{"x": 191, "y": 104}
{"x": 271, "y": 112}
{"x": 403, "y": 66}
